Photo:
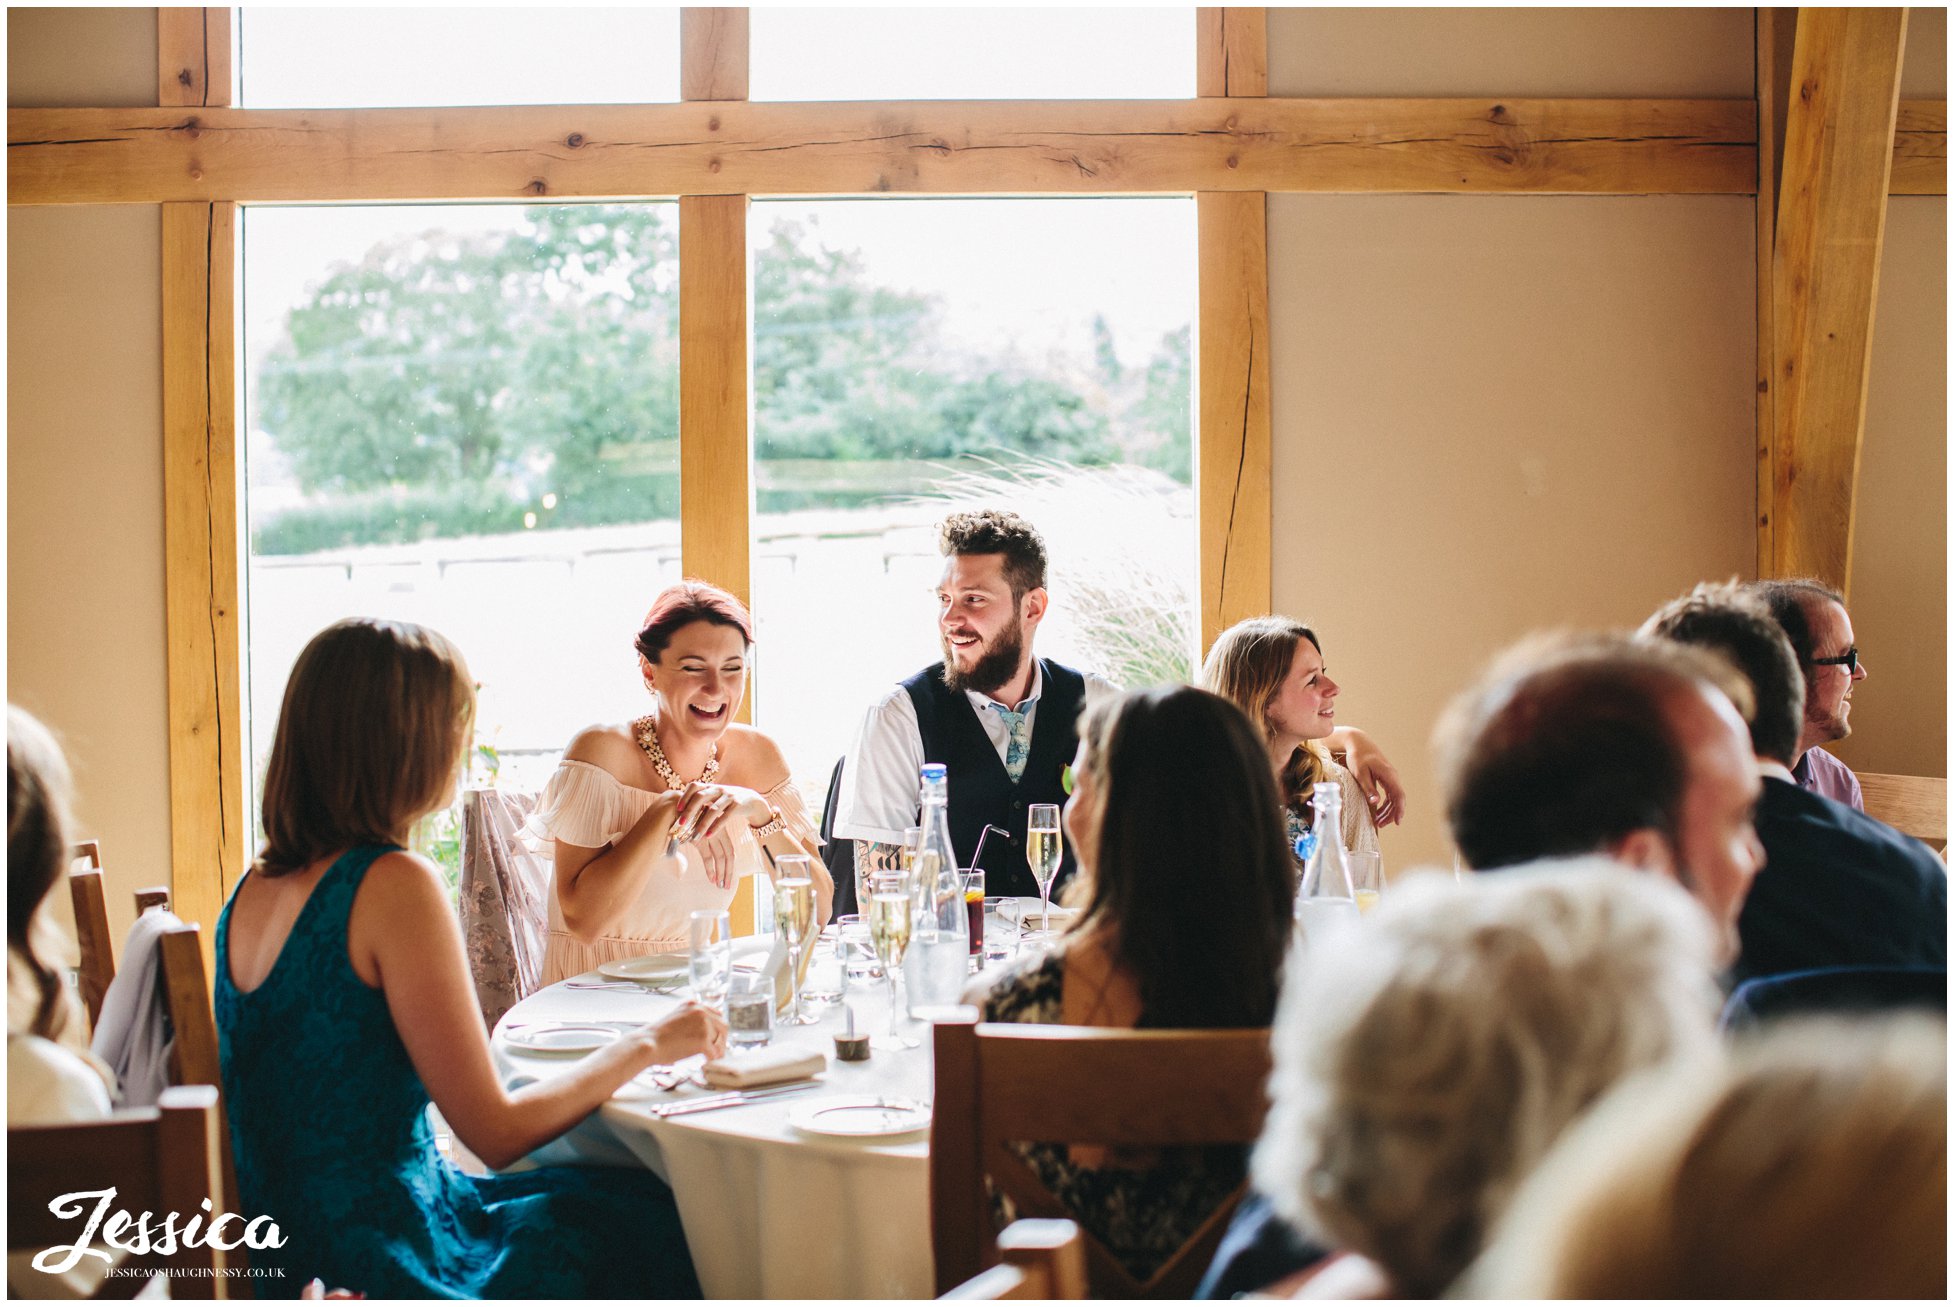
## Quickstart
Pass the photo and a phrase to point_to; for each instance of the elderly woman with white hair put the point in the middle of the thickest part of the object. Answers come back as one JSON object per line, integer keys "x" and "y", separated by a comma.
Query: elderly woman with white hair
{"x": 1426, "y": 1059}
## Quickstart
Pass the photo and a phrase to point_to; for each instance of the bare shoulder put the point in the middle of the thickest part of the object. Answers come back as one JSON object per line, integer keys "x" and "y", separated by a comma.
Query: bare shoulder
{"x": 403, "y": 882}
{"x": 751, "y": 757}
{"x": 614, "y": 748}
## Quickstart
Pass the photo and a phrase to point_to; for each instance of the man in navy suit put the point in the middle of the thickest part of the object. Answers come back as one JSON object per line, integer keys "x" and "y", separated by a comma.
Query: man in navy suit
{"x": 1838, "y": 888}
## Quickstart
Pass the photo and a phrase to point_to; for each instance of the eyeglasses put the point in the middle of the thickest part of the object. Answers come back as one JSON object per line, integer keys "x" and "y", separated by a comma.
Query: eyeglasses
{"x": 1848, "y": 660}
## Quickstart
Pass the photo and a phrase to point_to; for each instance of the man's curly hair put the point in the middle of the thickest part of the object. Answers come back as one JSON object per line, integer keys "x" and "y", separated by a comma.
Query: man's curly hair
{"x": 996, "y": 531}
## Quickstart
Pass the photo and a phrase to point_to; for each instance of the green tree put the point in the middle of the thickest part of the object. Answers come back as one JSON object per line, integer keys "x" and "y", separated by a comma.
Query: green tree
{"x": 452, "y": 382}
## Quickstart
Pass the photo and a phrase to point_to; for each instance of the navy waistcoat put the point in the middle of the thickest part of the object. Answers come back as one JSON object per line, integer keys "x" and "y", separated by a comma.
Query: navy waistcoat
{"x": 981, "y": 791}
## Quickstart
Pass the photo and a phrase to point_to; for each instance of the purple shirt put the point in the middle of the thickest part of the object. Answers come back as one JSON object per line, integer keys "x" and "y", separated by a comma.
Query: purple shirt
{"x": 1822, "y": 774}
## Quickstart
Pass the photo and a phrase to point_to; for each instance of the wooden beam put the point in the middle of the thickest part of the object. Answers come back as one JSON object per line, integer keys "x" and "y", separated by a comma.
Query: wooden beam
{"x": 1920, "y": 149}
{"x": 715, "y": 445}
{"x": 712, "y": 54}
{"x": 209, "y": 767}
{"x": 715, "y": 442}
{"x": 1838, "y": 157}
{"x": 193, "y": 57}
{"x": 715, "y": 421}
{"x": 1231, "y": 52}
{"x": 1232, "y": 459}
{"x": 1465, "y": 146}
{"x": 1765, "y": 27}
{"x": 1232, "y": 437}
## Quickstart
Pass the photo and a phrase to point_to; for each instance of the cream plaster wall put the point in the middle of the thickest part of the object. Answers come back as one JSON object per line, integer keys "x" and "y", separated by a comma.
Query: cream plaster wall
{"x": 1899, "y": 570}
{"x": 1495, "y": 414}
{"x": 85, "y": 644}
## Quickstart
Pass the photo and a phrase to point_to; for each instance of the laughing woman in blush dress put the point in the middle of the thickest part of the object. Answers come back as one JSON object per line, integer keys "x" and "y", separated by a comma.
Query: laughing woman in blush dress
{"x": 659, "y": 817}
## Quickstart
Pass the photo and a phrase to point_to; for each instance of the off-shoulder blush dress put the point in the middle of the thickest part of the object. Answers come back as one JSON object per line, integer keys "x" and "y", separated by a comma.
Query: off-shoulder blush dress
{"x": 587, "y": 806}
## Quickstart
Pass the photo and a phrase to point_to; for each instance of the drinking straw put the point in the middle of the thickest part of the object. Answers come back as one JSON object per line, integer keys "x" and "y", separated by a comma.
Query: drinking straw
{"x": 977, "y": 858}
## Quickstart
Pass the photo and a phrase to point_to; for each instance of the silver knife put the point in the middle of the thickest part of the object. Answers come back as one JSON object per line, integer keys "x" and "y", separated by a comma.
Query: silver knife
{"x": 737, "y": 1099}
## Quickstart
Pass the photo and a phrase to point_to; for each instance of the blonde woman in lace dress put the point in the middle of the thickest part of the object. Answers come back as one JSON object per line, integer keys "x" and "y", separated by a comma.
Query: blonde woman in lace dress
{"x": 1272, "y": 669}
{"x": 660, "y": 816}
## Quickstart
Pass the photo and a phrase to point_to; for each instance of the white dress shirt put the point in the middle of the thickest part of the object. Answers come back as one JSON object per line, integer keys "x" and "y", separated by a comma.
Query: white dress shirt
{"x": 880, "y": 786}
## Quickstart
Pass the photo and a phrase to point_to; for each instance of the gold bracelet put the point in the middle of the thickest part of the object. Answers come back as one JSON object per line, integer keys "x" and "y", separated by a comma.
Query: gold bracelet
{"x": 773, "y": 827}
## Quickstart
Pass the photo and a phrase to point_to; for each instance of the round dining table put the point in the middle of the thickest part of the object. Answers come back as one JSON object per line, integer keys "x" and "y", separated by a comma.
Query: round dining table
{"x": 770, "y": 1210}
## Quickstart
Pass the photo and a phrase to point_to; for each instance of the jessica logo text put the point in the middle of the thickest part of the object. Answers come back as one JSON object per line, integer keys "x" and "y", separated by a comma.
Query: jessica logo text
{"x": 138, "y": 1234}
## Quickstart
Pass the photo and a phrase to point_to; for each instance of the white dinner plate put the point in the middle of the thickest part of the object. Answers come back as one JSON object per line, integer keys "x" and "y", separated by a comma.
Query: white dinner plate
{"x": 656, "y": 968}
{"x": 561, "y": 1037}
{"x": 860, "y": 1116}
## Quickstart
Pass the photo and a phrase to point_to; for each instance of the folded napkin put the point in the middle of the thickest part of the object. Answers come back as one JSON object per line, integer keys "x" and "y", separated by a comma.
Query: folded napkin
{"x": 765, "y": 1066}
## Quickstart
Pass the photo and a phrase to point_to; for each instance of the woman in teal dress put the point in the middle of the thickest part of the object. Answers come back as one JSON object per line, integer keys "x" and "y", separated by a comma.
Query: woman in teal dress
{"x": 344, "y": 1003}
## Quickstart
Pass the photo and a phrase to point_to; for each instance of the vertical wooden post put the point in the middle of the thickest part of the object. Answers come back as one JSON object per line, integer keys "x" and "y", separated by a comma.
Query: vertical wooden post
{"x": 1767, "y": 231}
{"x": 209, "y": 761}
{"x": 1838, "y": 160}
{"x": 713, "y": 45}
{"x": 715, "y": 411}
{"x": 1233, "y": 438}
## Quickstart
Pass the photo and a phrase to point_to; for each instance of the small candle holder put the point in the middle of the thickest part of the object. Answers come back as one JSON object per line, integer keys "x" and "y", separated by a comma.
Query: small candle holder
{"x": 851, "y": 1048}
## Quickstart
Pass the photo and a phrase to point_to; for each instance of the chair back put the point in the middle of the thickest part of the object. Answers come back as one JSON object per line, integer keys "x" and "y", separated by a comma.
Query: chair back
{"x": 503, "y": 899}
{"x": 838, "y": 856}
{"x": 1037, "y": 1260}
{"x": 1836, "y": 991}
{"x": 97, "y": 970}
{"x": 193, "y": 1038}
{"x": 161, "y": 1159}
{"x": 1912, "y": 805}
{"x": 186, "y": 996}
{"x": 156, "y": 896}
{"x": 1002, "y": 1083}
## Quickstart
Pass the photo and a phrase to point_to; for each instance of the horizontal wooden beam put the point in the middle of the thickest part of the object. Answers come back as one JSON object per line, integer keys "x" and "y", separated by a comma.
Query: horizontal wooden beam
{"x": 1920, "y": 149}
{"x": 1471, "y": 146}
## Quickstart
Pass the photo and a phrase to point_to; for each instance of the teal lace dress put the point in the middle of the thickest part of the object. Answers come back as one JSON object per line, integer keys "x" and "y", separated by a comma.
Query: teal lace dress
{"x": 329, "y": 1124}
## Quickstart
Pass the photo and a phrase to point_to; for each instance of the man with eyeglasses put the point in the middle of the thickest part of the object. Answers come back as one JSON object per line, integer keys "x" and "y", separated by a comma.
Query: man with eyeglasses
{"x": 1813, "y": 616}
{"x": 1838, "y": 889}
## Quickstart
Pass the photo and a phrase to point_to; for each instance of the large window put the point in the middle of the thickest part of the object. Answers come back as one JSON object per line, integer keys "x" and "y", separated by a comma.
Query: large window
{"x": 465, "y": 416}
{"x": 913, "y": 356}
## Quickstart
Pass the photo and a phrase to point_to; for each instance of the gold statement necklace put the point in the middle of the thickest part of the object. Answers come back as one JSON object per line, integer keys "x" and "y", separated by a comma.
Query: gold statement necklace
{"x": 648, "y": 741}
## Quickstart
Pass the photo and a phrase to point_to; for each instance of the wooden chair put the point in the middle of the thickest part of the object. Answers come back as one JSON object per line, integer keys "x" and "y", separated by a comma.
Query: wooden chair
{"x": 186, "y": 993}
{"x": 160, "y": 1159}
{"x": 193, "y": 1024}
{"x": 97, "y": 968}
{"x": 1037, "y": 1260}
{"x": 156, "y": 896}
{"x": 999, "y": 1083}
{"x": 1912, "y": 805}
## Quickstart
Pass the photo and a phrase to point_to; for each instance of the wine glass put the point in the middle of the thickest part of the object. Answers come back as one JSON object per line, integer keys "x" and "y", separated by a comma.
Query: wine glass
{"x": 888, "y": 929}
{"x": 793, "y": 917}
{"x": 709, "y": 941}
{"x": 1044, "y": 847}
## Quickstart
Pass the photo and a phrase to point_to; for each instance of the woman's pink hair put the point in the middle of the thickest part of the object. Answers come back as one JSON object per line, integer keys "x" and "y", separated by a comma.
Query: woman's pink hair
{"x": 683, "y": 604}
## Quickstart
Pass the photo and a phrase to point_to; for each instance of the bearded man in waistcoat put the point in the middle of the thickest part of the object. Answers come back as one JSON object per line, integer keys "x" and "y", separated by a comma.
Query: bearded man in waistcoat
{"x": 1004, "y": 721}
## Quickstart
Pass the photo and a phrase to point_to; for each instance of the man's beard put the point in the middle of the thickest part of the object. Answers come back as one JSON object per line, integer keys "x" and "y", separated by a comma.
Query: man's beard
{"x": 1827, "y": 728}
{"x": 994, "y": 669}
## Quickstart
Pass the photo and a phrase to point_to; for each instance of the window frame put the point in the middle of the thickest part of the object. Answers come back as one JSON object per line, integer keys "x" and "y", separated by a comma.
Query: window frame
{"x": 204, "y": 545}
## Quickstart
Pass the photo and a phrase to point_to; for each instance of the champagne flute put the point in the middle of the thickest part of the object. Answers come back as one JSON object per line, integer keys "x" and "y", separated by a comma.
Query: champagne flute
{"x": 912, "y": 840}
{"x": 793, "y": 916}
{"x": 1044, "y": 847}
{"x": 709, "y": 940}
{"x": 888, "y": 929}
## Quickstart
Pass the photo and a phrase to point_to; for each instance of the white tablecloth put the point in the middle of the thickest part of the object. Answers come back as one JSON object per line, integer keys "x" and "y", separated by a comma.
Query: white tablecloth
{"x": 769, "y": 1212}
